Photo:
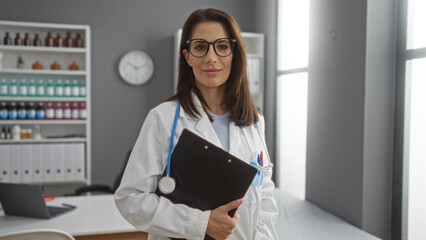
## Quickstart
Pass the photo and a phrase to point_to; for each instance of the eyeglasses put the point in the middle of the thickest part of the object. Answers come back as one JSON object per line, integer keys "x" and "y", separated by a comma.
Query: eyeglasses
{"x": 223, "y": 47}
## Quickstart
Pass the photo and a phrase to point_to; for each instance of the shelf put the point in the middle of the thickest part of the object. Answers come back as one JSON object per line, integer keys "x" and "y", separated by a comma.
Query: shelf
{"x": 51, "y": 140}
{"x": 43, "y": 49}
{"x": 43, "y": 122}
{"x": 44, "y": 72}
{"x": 43, "y": 99}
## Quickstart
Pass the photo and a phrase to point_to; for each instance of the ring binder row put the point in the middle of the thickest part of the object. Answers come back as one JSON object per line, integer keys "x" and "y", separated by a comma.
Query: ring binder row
{"x": 42, "y": 163}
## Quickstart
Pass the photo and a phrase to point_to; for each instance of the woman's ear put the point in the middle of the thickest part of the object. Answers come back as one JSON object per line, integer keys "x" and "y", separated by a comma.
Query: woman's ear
{"x": 186, "y": 55}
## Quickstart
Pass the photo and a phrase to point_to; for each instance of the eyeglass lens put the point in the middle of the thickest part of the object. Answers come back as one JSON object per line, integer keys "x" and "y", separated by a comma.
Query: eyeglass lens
{"x": 200, "y": 47}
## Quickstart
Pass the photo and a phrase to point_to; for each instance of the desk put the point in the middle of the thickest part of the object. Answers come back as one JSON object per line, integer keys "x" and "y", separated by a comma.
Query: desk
{"x": 96, "y": 217}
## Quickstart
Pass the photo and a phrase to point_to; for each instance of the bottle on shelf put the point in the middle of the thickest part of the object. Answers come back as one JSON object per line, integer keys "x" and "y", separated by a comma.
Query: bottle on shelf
{"x": 4, "y": 87}
{"x": 75, "y": 88}
{"x": 75, "y": 111}
{"x": 22, "y": 111}
{"x": 50, "y": 88}
{"x": 32, "y": 88}
{"x": 59, "y": 88}
{"x": 50, "y": 111}
{"x": 17, "y": 40}
{"x": 31, "y": 111}
{"x": 78, "y": 41}
{"x": 58, "y": 41}
{"x": 59, "y": 111}
{"x": 36, "y": 40}
{"x": 41, "y": 112}
{"x": 27, "y": 40}
{"x": 37, "y": 132}
{"x": 7, "y": 40}
{"x": 23, "y": 88}
{"x": 3, "y": 133}
{"x": 13, "y": 88}
{"x": 82, "y": 87}
{"x": 13, "y": 111}
{"x": 8, "y": 133}
{"x": 69, "y": 42}
{"x": 16, "y": 132}
{"x": 24, "y": 134}
{"x": 67, "y": 111}
{"x": 41, "y": 89}
{"x": 4, "y": 112}
{"x": 48, "y": 41}
{"x": 83, "y": 112}
{"x": 67, "y": 88}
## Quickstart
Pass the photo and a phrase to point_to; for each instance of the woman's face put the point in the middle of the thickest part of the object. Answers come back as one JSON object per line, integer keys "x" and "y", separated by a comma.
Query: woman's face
{"x": 211, "y": 71}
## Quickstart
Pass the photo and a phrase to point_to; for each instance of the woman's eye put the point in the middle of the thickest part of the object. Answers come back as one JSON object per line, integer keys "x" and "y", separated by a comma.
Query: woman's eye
{"x": 222, "y": 46}
{"x": 200, "y": 47}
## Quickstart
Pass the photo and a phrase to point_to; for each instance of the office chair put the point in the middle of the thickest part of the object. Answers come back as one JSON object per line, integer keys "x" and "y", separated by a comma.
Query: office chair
{"x": 101, "y": 188}
{"x": 38, "y": 234}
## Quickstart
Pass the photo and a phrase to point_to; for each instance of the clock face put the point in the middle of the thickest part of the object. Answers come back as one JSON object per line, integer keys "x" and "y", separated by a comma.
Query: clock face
{"x": 136, "y": 67}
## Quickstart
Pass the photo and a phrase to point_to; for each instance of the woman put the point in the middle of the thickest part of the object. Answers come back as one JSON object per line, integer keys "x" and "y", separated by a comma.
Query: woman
{"x": 213, "y": 93}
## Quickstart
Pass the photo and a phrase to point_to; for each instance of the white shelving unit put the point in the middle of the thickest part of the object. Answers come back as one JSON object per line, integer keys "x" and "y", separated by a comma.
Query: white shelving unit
{"x": 255, "y": 49}
{"x": 46, "y": 55}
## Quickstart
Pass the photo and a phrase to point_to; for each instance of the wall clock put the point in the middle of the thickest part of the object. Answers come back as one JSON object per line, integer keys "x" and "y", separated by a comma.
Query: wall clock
{"x": 136, "y": 67}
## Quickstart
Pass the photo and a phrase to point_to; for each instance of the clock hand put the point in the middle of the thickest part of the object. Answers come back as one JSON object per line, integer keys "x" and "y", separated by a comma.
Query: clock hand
{"x": 133, "y": 65}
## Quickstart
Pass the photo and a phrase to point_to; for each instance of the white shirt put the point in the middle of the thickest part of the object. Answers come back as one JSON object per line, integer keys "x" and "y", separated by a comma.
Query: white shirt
{"x": 137, "y": 202}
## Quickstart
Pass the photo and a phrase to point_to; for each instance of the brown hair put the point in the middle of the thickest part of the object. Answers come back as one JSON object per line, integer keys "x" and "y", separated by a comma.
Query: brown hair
{"x": 237, "y": 95}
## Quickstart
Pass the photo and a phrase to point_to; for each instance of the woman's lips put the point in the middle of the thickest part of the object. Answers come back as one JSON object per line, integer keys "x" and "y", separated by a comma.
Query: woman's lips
{"x": 212, "y": 71}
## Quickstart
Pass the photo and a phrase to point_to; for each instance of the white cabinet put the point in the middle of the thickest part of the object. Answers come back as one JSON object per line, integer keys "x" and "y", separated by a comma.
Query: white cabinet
{"x": 255, "y": 49}
{"x": 65, "y": 126}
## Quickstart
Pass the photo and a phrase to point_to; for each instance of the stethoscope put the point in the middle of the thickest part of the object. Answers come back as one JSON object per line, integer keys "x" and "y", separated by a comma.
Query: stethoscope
{"x": 167, "y": 184}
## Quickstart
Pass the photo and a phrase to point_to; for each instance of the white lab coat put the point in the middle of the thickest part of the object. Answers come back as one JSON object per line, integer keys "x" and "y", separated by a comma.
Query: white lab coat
{"x": 137, "y": 202}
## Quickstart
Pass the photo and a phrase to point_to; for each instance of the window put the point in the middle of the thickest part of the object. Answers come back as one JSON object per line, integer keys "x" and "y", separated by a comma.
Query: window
{"x": 414, "y": 159}
{"x": 292, "y": 93}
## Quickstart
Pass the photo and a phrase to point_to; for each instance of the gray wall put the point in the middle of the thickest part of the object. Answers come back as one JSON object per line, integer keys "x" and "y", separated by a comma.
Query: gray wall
{"x": 118, "y": 109}
{"x": 350, "y": 110}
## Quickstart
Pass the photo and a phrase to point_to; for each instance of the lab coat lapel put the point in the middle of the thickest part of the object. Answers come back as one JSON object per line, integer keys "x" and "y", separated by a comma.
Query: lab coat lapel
{"x": 235, "y": 135}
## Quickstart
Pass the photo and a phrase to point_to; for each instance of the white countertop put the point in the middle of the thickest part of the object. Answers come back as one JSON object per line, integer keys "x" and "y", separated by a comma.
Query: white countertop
{"x": 93, "y": 215}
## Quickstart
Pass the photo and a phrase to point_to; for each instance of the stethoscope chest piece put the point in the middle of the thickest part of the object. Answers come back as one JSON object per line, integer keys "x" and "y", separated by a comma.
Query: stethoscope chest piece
{"x": 167, "y": 185}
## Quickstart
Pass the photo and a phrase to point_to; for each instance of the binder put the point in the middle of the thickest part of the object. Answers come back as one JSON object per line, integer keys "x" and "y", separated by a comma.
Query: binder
{"x": 38, "y": 163}
{"x": 206, "y": 176}
{"x": 16, "y": 163}
{"x": 58, "y": 162}
{"x": 48, "y": 163}
{"x": 69, "y": 162}
{"x": 80, "y": 160}
{"x": 27, "y": 163}
{"x": 5, "y": 165}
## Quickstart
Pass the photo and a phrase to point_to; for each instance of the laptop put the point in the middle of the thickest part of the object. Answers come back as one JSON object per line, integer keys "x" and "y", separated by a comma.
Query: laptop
{"x": 27, "y": 201}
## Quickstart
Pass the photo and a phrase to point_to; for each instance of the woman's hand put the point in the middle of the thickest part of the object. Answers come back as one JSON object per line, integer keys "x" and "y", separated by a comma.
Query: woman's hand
{"x": 220, "y": 224}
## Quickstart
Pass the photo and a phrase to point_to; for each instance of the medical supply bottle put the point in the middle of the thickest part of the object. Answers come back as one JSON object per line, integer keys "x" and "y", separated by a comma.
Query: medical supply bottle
{"x": 83, "y": 112}
{"x": 67, "y": 110}
{"x": 31, "y": 111}
{"x": 78, "y": 41}
{"x": 13, "y": 88}
{"x": 3, "y": 87}
{"x": 75, "y": 88}
{"x": 50, "y": 111}
{"x": 50, "y": 88}
{"x": 82, "y": 88}
{"x": 7, "y": 40}
{"x": 58, "y": 41}
{"x": 48, "y": 42}
{"x": 23, "y": 88}
{"x": 59, "y": 88}
{"x": 41, "y": 112}
{"x": 17, "y": 40}
{"x": 36, "y": 40}
{"x": 41, "y": 88}
{"x": 75, "y": 111}
{"x": 22, "y": 111}
{"x": 67, "y": 88}
{"x": 32, "y": 89}
{"x": 59, "y": 111}
{"x": 4, "y": 113}
{"x": 27, "y": 40}
{"x": 13, "y": 111}
{"x": 69, "y": 42}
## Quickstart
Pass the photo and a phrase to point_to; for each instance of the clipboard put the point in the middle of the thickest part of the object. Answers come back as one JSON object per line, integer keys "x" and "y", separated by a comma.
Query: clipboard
{"x": 206, "y": 176}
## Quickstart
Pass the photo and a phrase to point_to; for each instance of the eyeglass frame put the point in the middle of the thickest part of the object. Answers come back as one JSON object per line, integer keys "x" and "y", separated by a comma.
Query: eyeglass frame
{"x": 188, "y": 43}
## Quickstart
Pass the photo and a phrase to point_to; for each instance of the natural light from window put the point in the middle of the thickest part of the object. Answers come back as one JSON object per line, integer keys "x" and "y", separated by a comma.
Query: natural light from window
{"x": 416, "y": 37}
{"x": 293, "y": 34}
{"x": 292, "y": 94}
{"x": 417, "y": 149}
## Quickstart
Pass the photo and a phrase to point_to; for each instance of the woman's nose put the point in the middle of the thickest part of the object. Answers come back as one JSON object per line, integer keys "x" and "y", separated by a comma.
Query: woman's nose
{"x": 211, "y": 55}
